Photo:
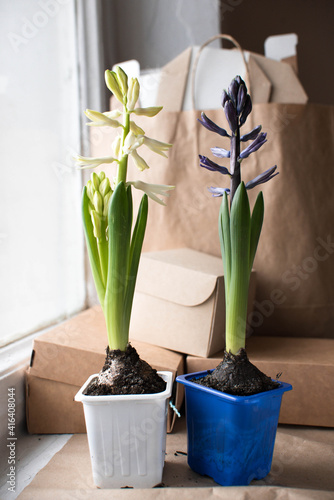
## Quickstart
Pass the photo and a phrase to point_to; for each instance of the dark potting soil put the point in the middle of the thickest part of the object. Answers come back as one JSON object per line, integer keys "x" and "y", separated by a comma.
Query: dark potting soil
{"x": 125, "y": 373}
{"x": 236, "y": 375}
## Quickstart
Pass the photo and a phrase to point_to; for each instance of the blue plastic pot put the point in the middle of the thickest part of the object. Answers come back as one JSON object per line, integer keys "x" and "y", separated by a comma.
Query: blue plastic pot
{"x": 230, "y": 438}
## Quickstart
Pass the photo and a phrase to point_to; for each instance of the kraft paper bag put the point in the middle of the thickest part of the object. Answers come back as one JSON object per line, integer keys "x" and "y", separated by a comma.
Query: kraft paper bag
{"x": 295, "y": 257}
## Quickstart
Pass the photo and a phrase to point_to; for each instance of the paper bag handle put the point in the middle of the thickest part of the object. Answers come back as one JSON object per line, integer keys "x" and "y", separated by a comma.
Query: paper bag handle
{"x": 210, "y": 40}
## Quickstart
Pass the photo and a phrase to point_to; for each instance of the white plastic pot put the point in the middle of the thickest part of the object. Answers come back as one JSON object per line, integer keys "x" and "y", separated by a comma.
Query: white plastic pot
{"x": 127, "y": 436}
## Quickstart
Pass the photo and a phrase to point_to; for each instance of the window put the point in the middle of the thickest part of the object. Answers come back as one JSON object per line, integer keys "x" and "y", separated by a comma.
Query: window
{"x": 50, "y": 49}
{"x": 41, "y": 238}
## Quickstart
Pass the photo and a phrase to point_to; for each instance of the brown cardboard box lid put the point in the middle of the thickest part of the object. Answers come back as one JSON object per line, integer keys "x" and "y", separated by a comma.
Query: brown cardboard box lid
{"x": 290, "y": 350}
{"x": 75, "y": 349}
{"x": 287, "y": 350}
{"x": 286, "y": 86}
{"x": 183, "y": 276}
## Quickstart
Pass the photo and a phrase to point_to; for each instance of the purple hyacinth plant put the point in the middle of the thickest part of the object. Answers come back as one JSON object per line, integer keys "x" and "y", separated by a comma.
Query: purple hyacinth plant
{"x": 239, "y": 229}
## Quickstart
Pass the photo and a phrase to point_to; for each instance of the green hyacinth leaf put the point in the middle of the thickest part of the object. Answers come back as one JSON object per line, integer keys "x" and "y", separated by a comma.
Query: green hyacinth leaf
{"x": 92, "y": 247}
{"x": 225, "y": 241}
{"x": 256, "y": 227}
{"x": 134, "y": 257}
{"x": 240, "y": 229}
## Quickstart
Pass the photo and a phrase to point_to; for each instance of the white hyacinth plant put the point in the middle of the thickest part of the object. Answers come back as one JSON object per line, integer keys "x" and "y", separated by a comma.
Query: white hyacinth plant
{"x": 114, "y": 246}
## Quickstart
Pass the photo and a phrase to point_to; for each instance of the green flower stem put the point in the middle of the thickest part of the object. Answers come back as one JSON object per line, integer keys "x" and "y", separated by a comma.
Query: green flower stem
{"x": 123, "y": 163}
{"x": 235, "y": 320}
{"x": 234, "y": 163}
{"x": 122, "y": 169}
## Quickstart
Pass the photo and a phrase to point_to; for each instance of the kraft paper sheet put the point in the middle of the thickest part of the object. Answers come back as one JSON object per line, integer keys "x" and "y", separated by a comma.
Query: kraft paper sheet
{"x": 302, "y": 469}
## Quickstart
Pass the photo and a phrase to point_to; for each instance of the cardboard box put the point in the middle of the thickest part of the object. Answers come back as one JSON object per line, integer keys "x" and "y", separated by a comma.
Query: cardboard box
{"x": 50, "y": 408}
{"x": 179, "y": 302}
{"x": 62, "y": 360}
{"x": 307, "y": 364}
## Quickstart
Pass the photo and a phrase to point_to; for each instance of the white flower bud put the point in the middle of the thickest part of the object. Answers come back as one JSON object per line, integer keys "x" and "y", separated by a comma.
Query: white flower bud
{"x": 98, "y": 202}
{"x": 152, "y": 190}
{"x": 106, "y": 203}
{"x": 115, "y": 113}
{"x": 112, "y": 84}
{"x": 139, "y": 161}
{"x": 122, "y": 79}
{"x": 116, "y": 145}
{"x": 90, "y": 190}
{"x": 135, "y": 129}
{"x": 95, "y": 180}
{"x": 85, "y": 162}
{"x": 150, "y": 111}
{"x": 104, "y": 186}
{"x": 101, "y": 119}
{"x": 132, "y": 142}
{"x": 157, "y": 146}
{"x": 133, "y": 93}
{"x": 96, "y": 220}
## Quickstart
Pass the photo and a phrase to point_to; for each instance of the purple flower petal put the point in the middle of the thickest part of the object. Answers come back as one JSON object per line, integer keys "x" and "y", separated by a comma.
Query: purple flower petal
{"x": 262, "y": 178}
{"x": 214, "y": 167}
{"x": 250, "y": 136}
{"x": 233, "y": 90}
{"x": 210, "y": 125}
{"x": 231, "y": 115}
{"x": 254, "y": 146}
{"x": 225, "y": 98}
{"x": 247, "y": 109}
{"x": 221, "y": 152}
{"x": 216, "y": 191}
{"x": 241, "y": 98}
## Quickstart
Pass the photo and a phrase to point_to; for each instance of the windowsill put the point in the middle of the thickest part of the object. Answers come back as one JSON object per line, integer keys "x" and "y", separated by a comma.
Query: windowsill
{"x": 32, "y": 452}
{"x": 18, "y": 353}
{"x": 14, "y": 360}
